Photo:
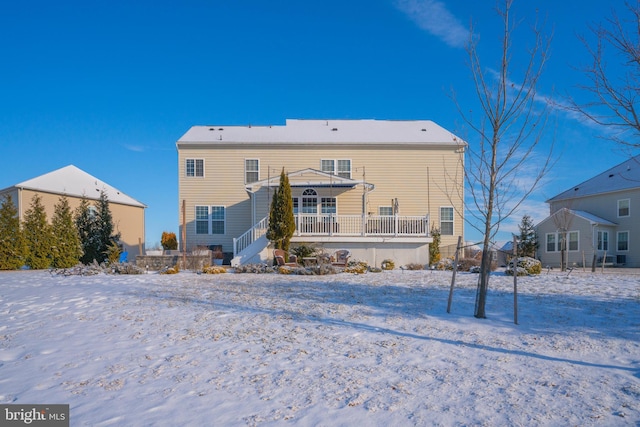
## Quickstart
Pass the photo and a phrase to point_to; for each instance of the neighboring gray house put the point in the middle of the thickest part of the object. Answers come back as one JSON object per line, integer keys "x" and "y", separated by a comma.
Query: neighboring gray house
{"x": 600, "y": 216}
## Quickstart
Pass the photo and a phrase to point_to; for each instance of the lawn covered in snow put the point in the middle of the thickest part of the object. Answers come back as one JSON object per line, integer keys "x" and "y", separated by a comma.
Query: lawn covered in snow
{"x": 376, "y": 349}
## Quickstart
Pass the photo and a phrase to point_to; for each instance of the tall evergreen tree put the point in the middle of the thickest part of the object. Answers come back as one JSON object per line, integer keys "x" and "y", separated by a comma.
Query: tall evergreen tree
{"x": 282, "y": 223}
{"x": 105, "y": 227}
{"x": 95, "y": 228}
{"x": 434, "y": 247}
{"x": 12, "y": 245}
{"x": 87, "y": 226}
{"x": 38, "y": 235}
{"x": 67, "y": 249}
{"x": 528, "y": 240}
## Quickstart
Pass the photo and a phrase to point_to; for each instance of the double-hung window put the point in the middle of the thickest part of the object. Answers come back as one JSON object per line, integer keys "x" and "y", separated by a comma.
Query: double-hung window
{"x": 554, "y": 241}
{"x": 210, "y": 219}
{"x": 251, "y": 170}
{"x": 572, "y": 240}
{"x": 623, "y": 241}
{"x": 340, "y": 167}
{"x": 446, "y": 221}
{"x": 194, "y": 167}
{"x": 385, "y": 210}
{"x": 551, "y": 242}
{"x": 624, "y": 208}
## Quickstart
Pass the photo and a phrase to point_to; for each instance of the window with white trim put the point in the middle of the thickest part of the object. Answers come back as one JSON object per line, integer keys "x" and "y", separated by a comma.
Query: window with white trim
{"x": 194, "y": 167}
{"x": 603, "y": 241}
{"x": 251, "y": 170}
{"x": 202, "y": 219}
{"x": 554, "y": 241}
{"x": 446, "y": 221}
{"x": 328, "y": 205}
{"x": 624, "y": 208}
{"x": 385, "y": 210}
{"x": 551, "y": 242}
{"x": 573, "y": 241}
{"x": 623, "y": 241}
{"x": 210, "y": 219}
{"x": 340, "y": 167}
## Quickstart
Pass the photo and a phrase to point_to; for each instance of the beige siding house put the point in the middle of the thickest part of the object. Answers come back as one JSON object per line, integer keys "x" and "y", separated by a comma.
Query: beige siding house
{"x": 127, "y": 213}
{"x": 373, "y": 187}
{"x": 597, "y": 217}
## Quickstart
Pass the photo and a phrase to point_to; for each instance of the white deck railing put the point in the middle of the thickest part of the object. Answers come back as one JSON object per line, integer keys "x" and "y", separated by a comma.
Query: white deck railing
{"x": 343, "y": 225}
{"x": 359, "y": 225}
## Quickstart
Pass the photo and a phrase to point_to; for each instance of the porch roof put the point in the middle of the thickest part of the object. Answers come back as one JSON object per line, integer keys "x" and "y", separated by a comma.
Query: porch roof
{"x": 309, "y": 178}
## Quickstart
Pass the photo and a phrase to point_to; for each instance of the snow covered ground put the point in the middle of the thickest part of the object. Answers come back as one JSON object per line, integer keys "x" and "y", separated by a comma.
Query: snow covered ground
{"x": 343, "y": 350}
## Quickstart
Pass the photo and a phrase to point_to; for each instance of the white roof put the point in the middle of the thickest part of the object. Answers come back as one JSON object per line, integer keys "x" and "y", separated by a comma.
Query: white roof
{"x": 72, "y": 181}
{"x": 589, "y": 217}
{"x": 625, "y": 176}
{"x": 297, "y": 131}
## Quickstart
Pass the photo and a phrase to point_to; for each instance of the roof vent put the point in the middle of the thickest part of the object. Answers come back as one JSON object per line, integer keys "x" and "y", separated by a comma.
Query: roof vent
{"x": 334, "y": 129}
{"x": 221, "y": 129}
{"x": 611, "y": 175}
{"x": 212, "y": 128}
{"x": 576, "y": 189}
{"x": 424, "y": 130}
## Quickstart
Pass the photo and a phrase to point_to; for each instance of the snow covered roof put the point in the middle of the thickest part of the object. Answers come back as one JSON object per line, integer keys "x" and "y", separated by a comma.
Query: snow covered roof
{"x": 589, "y": 217}
{"x": 297, "y": 131}
{"x": 73, "y": 181}
{"x": 309, "y": 178}
{"x": 625, "y": 176}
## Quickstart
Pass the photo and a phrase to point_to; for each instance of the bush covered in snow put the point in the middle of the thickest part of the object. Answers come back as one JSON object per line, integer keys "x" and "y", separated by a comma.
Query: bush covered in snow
{"x": 255, "y": 269}
{"x": 214, "y": 269}
{"x": 526, "y": 266}
{"x": 388, "y": 264}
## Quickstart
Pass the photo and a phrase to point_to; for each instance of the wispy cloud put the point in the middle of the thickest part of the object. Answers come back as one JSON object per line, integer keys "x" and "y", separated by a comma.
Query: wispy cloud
{"x": 136, "y": 148}
{"x": 434, "y": 17}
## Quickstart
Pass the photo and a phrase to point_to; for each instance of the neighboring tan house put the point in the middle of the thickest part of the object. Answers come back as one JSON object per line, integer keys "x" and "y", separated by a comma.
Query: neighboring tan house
{"x": 600, "y": 217}
{"x": 370, "y": 186}
{"x": 127, "y": 213}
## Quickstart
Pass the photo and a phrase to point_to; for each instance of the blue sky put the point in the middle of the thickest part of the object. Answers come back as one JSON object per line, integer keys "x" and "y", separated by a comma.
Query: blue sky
{"x": 110, "y": 86}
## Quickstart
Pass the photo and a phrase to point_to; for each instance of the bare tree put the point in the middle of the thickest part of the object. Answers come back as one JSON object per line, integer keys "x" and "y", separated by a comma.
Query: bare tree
{"x": 562, "y": 219}
{"x": 614, "y": 91}
{"x": 502, "y": 167}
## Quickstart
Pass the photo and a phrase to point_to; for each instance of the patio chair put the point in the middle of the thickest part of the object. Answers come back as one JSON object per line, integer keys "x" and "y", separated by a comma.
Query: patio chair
{"x": 282, "y": 259}
{"x": 340, "y": 258}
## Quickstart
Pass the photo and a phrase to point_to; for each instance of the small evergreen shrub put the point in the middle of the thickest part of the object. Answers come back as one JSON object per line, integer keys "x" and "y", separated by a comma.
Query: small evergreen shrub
{"x": 526, "y": 266}
{"x": 356, "y": 267}
{"x": 304, "y": 250}
{"x": 414, "y": 266}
